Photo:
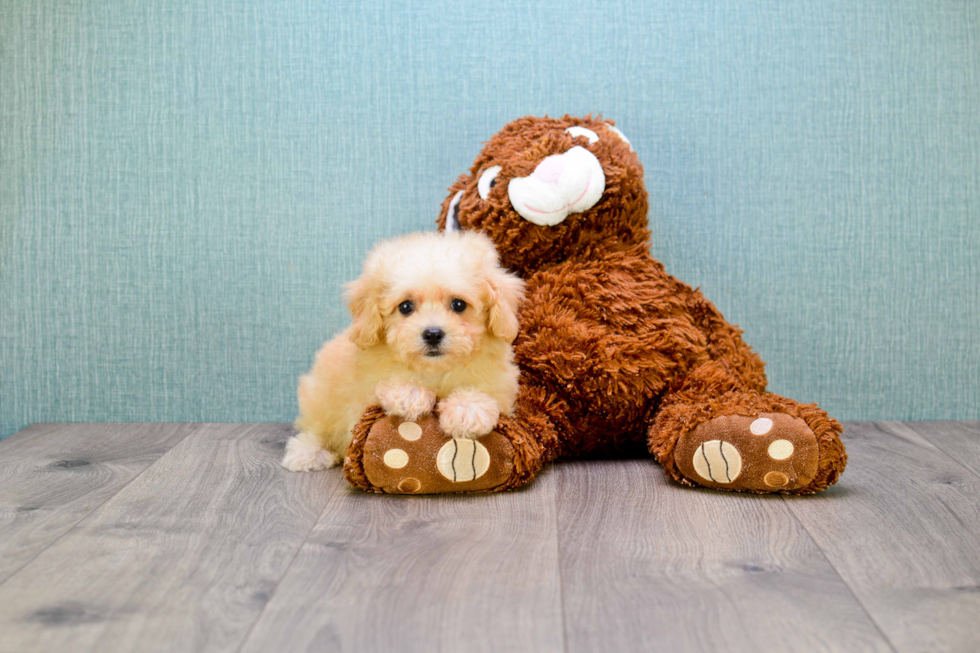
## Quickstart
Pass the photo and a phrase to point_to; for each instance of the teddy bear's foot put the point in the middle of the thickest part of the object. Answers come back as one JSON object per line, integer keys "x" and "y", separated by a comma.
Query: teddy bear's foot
{"x": 400, "y": 456}
{"x": 769, "y": 452}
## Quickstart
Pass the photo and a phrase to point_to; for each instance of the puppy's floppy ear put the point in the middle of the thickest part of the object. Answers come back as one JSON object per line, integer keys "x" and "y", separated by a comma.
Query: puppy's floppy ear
{"x": 364, "y": 301}
{"x": 505, "y": 294}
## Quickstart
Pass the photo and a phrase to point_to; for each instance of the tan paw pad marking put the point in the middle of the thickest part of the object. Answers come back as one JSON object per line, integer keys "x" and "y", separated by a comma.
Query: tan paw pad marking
{"x": 396, "y": 465}
{"x": 396, "y": 458}
{"x": 761, "y": 426}
{"x": 780, "y": 449}
{"x": 776, "y": 453}
{"x": 717, "y": 461}
{"x": 410, "y": 431}
{"x": 410, "y": 485}
{"x": 776, "y": 479}
{"x": 462, "y": 459}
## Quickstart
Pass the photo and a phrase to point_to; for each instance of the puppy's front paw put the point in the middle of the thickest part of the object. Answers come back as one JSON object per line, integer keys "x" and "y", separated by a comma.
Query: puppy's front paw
{"x": 405, "y": 399}
{"x": 305, "y": 454}
{"x": 468, "y": 414}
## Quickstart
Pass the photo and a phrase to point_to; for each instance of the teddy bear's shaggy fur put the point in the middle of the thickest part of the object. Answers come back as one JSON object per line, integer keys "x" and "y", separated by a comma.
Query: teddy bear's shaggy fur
{"x": 616, "y": 354}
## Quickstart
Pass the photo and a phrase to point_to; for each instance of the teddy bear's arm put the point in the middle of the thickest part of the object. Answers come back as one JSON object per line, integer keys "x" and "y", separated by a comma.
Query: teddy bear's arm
{"x": 594, "y": 328}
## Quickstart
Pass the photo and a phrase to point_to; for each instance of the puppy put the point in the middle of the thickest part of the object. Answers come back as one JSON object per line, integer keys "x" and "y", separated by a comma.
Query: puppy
{"x": 434, "y": 316}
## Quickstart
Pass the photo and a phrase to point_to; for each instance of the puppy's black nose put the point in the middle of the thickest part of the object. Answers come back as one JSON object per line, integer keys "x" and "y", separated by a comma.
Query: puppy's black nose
{"x": 433, "y": 336}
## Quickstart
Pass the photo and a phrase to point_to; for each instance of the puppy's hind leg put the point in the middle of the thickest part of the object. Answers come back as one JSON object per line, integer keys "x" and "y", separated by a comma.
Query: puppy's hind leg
{"x": 305, "y": 453}
{"x": 329, "y": 405}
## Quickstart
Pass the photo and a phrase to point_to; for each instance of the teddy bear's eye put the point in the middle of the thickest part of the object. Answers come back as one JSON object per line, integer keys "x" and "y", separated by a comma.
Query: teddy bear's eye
{"x": 406, "y": 307}
{"x": 582, "y": 131}
{"x": 458, "y": 305}
{"x": 487, "y": 181}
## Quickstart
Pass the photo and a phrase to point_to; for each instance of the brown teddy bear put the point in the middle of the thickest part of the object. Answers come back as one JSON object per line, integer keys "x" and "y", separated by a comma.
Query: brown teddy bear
{"x": 615, "y": 354}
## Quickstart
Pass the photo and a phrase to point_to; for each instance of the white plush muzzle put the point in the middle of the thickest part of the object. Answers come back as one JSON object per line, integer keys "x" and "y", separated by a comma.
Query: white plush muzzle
{"x": 560, "y": 185}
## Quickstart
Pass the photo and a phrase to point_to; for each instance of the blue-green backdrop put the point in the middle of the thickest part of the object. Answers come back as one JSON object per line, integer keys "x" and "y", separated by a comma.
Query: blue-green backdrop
{"x": 185, "y": 185}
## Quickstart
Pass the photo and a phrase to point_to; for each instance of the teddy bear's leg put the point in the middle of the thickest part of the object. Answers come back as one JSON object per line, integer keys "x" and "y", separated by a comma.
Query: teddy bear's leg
{"x": 397, "y": 456}
{"x": 717, "y": 432}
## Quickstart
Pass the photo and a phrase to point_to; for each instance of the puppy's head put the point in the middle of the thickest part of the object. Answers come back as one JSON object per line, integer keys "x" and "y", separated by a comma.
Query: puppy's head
{"x": 433, "y": 297}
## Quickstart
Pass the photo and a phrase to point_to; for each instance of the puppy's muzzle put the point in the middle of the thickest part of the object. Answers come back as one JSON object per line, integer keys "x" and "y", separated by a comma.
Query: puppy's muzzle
{"x": 433, "y": 337}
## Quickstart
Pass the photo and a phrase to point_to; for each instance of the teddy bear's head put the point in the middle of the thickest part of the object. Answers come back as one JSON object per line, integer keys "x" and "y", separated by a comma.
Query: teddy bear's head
{"x": 548, "y": 189}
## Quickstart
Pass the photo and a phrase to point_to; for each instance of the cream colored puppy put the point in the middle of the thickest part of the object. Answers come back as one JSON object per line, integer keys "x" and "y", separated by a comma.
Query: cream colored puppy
{"x": 434, "y": 316}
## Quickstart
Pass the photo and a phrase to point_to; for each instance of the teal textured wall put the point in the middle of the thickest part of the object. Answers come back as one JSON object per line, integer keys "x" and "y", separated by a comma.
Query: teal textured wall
{"x": 184, "y": 186}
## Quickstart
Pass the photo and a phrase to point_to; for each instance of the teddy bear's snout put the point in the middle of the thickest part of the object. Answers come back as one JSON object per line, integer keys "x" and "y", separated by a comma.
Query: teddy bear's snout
{"x": 560, "y": 185}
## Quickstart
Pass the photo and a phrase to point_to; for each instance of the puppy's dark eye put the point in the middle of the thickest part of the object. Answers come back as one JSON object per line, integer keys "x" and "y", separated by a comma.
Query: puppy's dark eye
{"x": 458, "y": 305}
{"x": 406, "y": 308}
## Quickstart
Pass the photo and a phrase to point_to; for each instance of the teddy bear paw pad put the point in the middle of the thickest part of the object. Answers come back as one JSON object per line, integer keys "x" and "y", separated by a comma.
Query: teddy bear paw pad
{"x": 416, "y": 457}
{"x": 769, "y": 452}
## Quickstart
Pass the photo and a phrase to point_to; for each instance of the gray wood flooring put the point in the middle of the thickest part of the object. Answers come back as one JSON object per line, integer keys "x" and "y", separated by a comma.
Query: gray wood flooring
{"x": 190, "y": 537}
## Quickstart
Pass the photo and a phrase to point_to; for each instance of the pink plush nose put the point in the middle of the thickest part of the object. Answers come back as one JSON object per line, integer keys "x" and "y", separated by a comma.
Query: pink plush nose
{"x": 549, "y": 171}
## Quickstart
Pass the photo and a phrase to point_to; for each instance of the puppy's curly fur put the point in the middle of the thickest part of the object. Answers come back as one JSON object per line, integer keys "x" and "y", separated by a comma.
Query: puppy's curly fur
{"x": 434, "y": 316}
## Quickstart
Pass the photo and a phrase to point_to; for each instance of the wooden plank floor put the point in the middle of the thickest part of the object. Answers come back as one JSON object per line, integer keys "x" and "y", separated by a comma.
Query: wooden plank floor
{"x": 189, "y": 537}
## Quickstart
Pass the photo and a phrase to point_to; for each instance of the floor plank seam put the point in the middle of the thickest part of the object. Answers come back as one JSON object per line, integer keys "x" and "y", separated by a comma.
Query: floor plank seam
{"x": 561, "y": 586}
{"x": 941, "y": 450}
{"x": 98, "y": 507}
{"x": 272, "y": 595}
{"x": 881, "y": 427}
{"x": 788, "y": 500}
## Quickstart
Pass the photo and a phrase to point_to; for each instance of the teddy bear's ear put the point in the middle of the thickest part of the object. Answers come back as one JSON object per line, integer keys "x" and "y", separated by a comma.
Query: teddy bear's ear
{"x": 364, "y": 301}
{"x": 505, "y": 292}
{"x": 614, "y": 129}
